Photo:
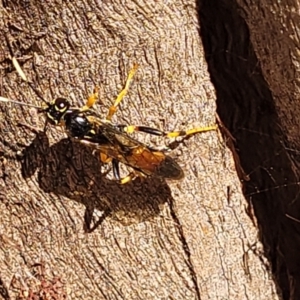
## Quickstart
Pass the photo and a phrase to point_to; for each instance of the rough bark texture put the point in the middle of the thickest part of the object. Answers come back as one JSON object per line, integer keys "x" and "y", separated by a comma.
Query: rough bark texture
{"x": 160, "y": 240}
{"x": 252, "y": 51}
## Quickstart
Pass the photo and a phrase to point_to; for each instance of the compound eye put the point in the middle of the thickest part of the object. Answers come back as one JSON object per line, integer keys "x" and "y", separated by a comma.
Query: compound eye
{"x": 61, "y": 104}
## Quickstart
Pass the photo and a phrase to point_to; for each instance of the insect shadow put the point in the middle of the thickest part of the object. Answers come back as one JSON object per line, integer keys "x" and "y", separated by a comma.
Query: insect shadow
{"x": 69, "y": 169}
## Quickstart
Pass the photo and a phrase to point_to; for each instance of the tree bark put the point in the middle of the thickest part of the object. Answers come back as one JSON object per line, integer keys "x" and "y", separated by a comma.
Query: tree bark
{"x": 251, "y": 49}
{"x": 190, "y": 239}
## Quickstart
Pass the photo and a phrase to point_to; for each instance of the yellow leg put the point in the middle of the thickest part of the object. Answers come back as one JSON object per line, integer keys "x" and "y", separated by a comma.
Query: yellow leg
{"x": 191, "y": 131}
{"x": 122, "y": 94}
{"x": 91, "y": 100}
{"x": 172, "y": 134}
{"x": 128, "y": 178}
{"x": 106, "y": 159}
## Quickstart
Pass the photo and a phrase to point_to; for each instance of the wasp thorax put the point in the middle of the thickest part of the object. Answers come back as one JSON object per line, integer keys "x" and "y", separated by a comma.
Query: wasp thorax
{"x": 56, "y": 110}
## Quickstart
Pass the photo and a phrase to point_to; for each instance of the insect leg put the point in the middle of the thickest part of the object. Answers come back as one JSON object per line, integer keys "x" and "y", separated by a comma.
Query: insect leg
{"x": 146, "y": 129}
{"x": 122, "y": 94}
{"x": 171, "y": 134}
{"x": 127, "y": 178}
{"x": 186, "y": 133}
{"x": 91, "y": 100}
{"x": 116, "y": 171}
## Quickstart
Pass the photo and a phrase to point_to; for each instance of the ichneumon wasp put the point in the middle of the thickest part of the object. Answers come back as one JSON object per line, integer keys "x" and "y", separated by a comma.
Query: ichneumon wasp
{"x": 111, "y": 140}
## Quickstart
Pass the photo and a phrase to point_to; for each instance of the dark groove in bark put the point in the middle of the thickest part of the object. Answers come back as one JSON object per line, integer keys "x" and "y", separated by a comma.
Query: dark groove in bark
{"x": 246, "y": 107}
{"x": 185, "y": 247}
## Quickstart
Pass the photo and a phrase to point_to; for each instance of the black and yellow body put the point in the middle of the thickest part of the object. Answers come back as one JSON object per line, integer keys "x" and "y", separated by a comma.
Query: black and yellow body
{"x": 112, "y": 141}
{"x": 117, "y": 145}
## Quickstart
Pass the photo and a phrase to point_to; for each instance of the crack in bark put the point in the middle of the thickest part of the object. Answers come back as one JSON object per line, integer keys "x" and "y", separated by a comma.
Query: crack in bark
{"x": 185, "y": 247}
